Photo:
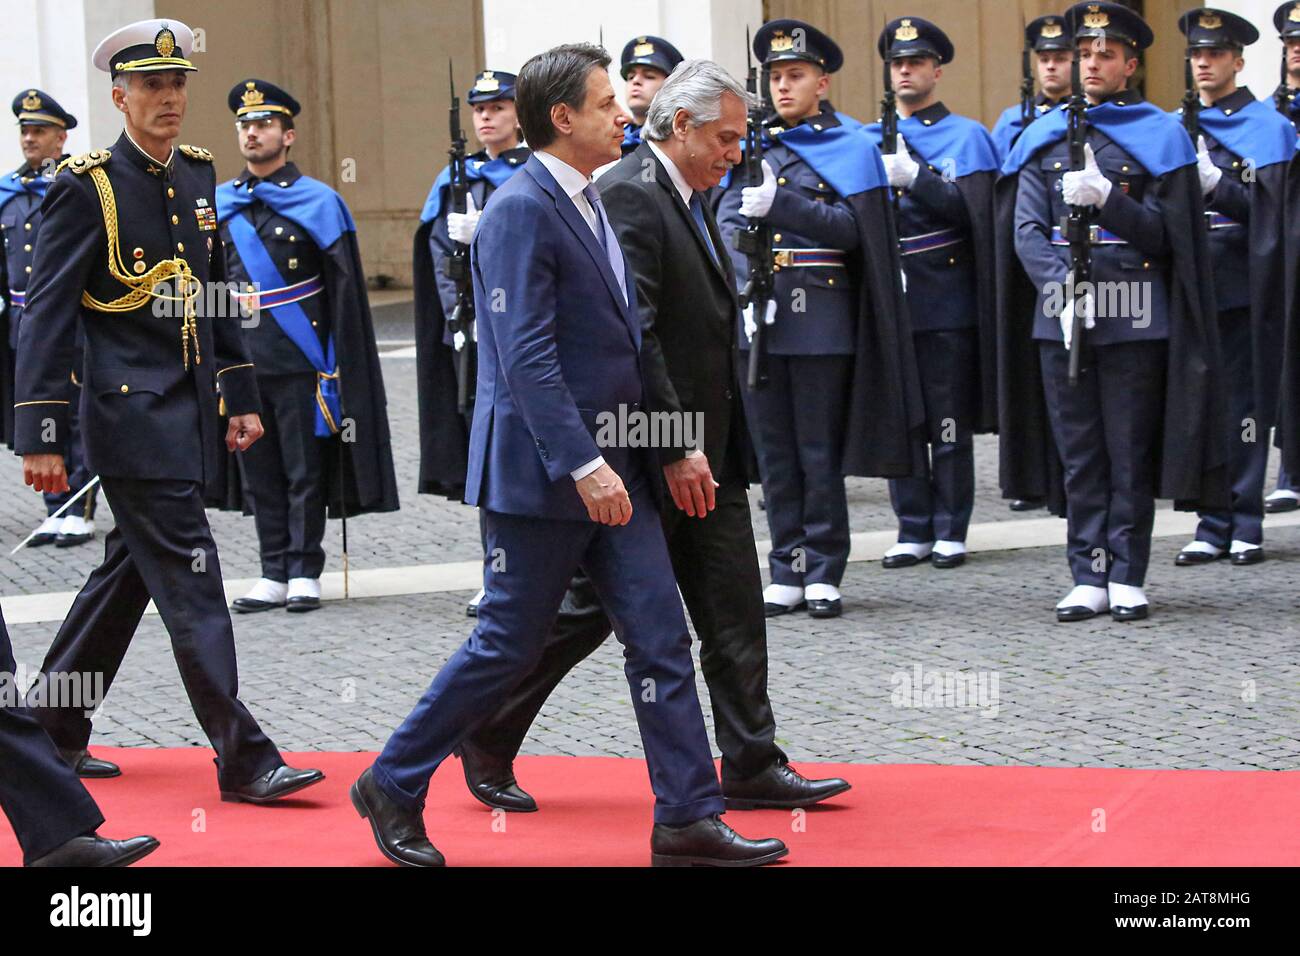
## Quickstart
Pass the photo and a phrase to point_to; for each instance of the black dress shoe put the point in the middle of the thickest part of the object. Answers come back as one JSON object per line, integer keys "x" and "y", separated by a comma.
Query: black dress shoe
{"x": 776, "y": 610}
{"x": 825, "y": 607}
{"x": 779, "y": 787}
{"x": 1276, "y": 506}
{"x": 247, "y": 605}
{"x": 1027, "y": 504}
{"x": 1187, "y": 559}
{"x": 399, "y": 833}
{"x": 893, "y": 561}
{"x": 948, "y": 560}
{"x": 1243, "y": 558}
{"x": 1126, "y": 614}
{"x": 301, "y": 604}
{"x": 42, "y": 539}
{"x": 471, "y": 610}
{"x": 72, "y": 540}
{"x": 273, "y": 785}
{"x": 710, "y": 842}
{"x": 94, "y": 850}
{"x": 1077, "y": 612}
{"x": 492, "y": 781}
{"x": 88, "y": 767}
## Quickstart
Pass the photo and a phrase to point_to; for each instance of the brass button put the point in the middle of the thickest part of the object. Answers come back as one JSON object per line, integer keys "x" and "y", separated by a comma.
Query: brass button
{"x": 279, "y": 229}
{"x": 774, "y": 269}
{"x": 180, "y": 247}
{"x": 780, "y": 180}
{"x": 139, "y": 267}
{"x": 1124, "y": 169}
{"x": 817, "y": 127}
{"x": 1235, "y": 164}
{"x": 952, "y": 262}
{"x": 821, "y": 185}
{"x": 1146, "y": 265}
{"x": 1227, "y": 112}
{"x": 777, "y": 237}
{"x": 175, "y": 220}
{"x": 171, "y": 193}
{"x": 1056, "y": 166}
{"x": 293, "y": 238}
{"x": 125, "y": 388}
{"x": 29, "y": 269}
{"x": 830, "y": 281}
{"x": 27, "y": 226}
{"x": 926, "y": 122}
{"x": 27, "y": 247}
{"x": 284, "y": 184}
{"x": 313, "y": 323}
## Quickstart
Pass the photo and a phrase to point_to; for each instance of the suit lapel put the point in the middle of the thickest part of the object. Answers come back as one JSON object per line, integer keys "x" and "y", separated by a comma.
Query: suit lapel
{"x": 675, "y": 199}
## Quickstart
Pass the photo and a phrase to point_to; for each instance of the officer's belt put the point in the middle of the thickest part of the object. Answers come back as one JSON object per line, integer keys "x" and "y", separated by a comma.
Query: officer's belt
{"x": 270, "y": 298}
{"x": 1217, "y": 220}
{"x": 807, "y": 258}
{"x": 17, "y": 298}
{"x": 1097, "y": 236}
{"x": 911, "y": 245}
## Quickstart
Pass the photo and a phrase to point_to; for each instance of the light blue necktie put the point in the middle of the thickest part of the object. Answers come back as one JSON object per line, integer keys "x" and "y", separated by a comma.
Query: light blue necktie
{"x": 697, "y": 211}
{"x": 604, "y": 233}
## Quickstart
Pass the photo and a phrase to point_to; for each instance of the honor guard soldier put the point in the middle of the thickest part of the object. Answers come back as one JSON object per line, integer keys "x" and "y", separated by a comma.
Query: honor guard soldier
{"x": 1245, "y": 149}
{"x": 1139, "y": 415}
{"x": 290, "y": 244}
{"x": 43, "y": 129}
{"x": 1052, "y": 49}
{"x": 942, "y": 174}
{"x": 644, "y": 65}
{"x": 836, "y": 283}
{"x": 129, "y": 249}
{"x": 444, "y": 425}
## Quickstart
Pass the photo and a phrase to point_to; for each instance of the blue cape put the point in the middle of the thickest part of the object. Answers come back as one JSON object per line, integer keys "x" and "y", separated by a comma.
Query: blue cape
{"x": 11, "y": 185}
{"x": 631, "y": 137}
{"x": 1146, "y": 132}
{"x": 1006, "y": 129}
{"x": 956, "y": 139}
{"x": 1256, "y": 132}
{"x": 308, "y": 202}
{"x": 496, "y": 171}
{"x": 841, "y": 155}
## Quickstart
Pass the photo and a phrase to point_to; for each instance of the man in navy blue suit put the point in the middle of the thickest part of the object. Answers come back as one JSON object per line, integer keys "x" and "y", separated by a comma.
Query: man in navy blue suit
{"x": 559, "y": 345}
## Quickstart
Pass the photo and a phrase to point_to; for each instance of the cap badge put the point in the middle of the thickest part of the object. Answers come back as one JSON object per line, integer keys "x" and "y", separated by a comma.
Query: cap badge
{"x": 643, "y": 48}
{"x": 1210, "y": 21}
{"x": 1295, "y": 14}
{"x": 487, "y": 82}
{"x": 781, "y": 42}
{"x": 906, "y": 32}
{"x": 1095, "y": 19}
{"x": 252, "y": 95}
{"x": 1051, "y": 30}
{"x": 31, "y": 101}
{"x": 165, "y": 42}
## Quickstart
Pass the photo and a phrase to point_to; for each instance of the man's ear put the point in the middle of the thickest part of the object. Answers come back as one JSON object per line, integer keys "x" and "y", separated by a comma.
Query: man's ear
{"x": 823, "y": 84}
{"x": 119, "y": 99}
{"x": 561, "y": 119}
{"x": 289, "y": 136}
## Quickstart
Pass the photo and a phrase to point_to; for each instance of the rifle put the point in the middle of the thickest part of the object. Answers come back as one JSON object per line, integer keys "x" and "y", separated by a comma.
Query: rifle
{"x": 889, "y": 135}
{"x": 1026, "y": 80}
{"x": 1282, "y": 95}
{"x": 755, "y": 240}
{"x": 456, "y": 266}
{"x": 1191, "y": 103}
{"x": 1078, "y": 224}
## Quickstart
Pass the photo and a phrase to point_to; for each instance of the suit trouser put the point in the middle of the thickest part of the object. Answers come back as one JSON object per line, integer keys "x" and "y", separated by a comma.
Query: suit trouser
{"x": 160, "y": 548}
{"x": 716, "y": 565}
{"x": 39, "y": 793}
{"x": 631, "y": 571}
{"x": 797, "y": 422}
{"x": 77, "y": 469}
{"x": 1248, "y": 464}
{"x": 938, "y": 506}
{"x": 1107, "y": 428}
{"x": 284, "y": 477}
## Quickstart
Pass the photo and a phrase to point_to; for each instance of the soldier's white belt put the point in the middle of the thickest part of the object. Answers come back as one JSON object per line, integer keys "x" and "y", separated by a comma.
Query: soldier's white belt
{"x": 270, "y": 298}
{"x": 911, "y": 245}
{"x": 1097, "y": 236}
{"x": 807, "y": 258}
{"x": 17, "y": 298}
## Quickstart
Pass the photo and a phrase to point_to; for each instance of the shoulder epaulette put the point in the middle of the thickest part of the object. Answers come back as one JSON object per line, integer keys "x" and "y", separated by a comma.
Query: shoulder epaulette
{"x": 196, "y": 152}
{"x": 86, "y": 161}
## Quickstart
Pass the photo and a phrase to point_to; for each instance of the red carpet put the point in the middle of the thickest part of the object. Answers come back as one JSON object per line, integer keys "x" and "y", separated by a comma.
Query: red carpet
{"x": 596, "y": 812}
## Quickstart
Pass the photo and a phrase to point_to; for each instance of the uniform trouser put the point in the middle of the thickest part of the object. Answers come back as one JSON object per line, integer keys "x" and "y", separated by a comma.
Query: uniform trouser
{"x": 797, "y": 423}
{"x": 1285, "y": 482}
{"x": 160, "y": 548}
{"x": 1107, "y": 428}
{"x": 716, "y": 565}
{"x": 77, "y": 469}
{"x": 284, "y": 477}
{"x": 631, "y": 571}
{"x": 938, "y": 506}
{"x": 40, "y": 794}
{"x": 1248, "y": 463}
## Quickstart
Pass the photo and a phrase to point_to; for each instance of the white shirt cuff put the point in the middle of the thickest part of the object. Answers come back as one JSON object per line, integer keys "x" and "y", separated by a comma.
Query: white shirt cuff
{"x": 693, "y": 453}
{"x": 580, "y": 473}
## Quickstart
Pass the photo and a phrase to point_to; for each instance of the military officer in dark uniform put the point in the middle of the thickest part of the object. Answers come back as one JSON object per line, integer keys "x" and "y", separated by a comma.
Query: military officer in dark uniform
{"x": 129, "y": 248}
{"x": 1052, "y": 49}
{"x": 1144, "y": 416}
{"x": 942, "y": 174}
{"x": 644, "y": 65}
{"x": 1244, "y": 151}
{"x": 290, "y": 238}
{"x": 43, "y": 126}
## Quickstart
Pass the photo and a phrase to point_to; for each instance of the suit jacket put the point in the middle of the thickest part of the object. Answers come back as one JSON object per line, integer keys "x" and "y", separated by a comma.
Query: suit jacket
{"x": 558, "y": 353}
{"x": 144, "y": 414}
{"x": 687, "y": 307}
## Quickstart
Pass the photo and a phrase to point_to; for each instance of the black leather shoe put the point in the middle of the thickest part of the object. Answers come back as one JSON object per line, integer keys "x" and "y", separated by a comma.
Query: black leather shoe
{"x": 825, "y": 607}
{"x": 72, "y": 540}
{"x": 1078, "y": 612}
{"x": 42, "y": 539}
{"x": 779, "y": 787}
{"x": 1276, "y": 506}
{"x": 247, "y": 605}
{"x": 471, "y": 610}
{"x": 893, "y": 561}
{"x": 1187, "y": 559}
{"x": 1027, "y": 504}
{"x": 948, "y": 560}
{"x": 776, "y": 610}
{"x": 94, "y": 850}
{"x": 1126, "y": 614}
{"x": 1253, "y": 556}
{"x": 491, "y": 781}
{"x": 273, "y": 785}
{"x": 710, "y": 842}
{"x": 88, "y": 767}
{"x": 301, "y": 604}
{"x": 399, "y": 833}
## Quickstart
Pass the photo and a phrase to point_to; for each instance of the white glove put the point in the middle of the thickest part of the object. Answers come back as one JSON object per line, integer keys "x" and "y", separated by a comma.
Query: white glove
{"x": 756, "y": 201}
{"x": 748, "y": 315}
{"x": 1088, "y": 187}
{"x": 1067, "y": 317}
{"x": 901, "y": 168}
{"x": 1210, "y": 174}
{"x": 461, "y": 225}
{"x": 458, "y": 340}
{"x": 903, "y": 273}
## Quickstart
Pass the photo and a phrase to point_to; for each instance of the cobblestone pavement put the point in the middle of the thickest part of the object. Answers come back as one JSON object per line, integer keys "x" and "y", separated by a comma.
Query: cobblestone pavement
{"x": 1212, "y": 680}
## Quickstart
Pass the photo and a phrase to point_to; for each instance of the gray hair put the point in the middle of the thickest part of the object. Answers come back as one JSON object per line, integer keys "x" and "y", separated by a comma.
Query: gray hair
{"x": 696, "y": 86}
{"x": 122, "y": 81}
